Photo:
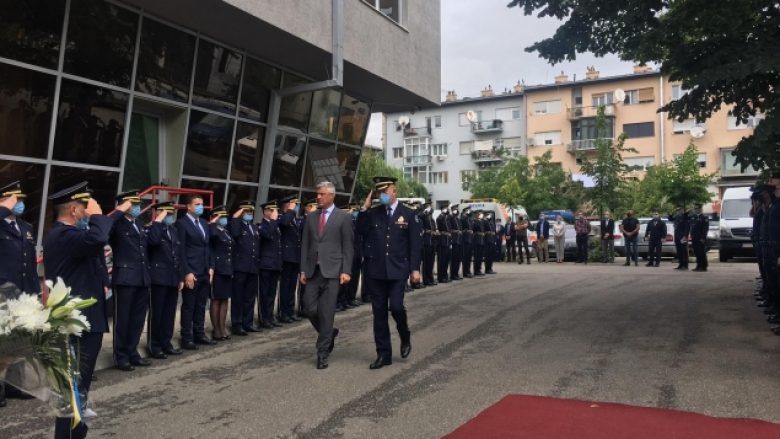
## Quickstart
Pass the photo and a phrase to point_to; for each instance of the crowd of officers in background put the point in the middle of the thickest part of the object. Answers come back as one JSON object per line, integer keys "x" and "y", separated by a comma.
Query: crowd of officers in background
{"x": 765, "y": 211}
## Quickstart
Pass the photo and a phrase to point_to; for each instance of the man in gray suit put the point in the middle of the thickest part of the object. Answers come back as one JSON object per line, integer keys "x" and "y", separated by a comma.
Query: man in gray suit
{"x": 326, "y": 262}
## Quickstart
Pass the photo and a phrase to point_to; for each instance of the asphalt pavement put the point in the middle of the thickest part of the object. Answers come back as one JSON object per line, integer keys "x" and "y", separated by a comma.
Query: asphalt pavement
{"x": 636, "y": 335}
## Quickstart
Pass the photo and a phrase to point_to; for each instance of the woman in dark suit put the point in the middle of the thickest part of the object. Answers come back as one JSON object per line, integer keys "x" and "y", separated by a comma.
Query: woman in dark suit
{"x": 221, "y": 243}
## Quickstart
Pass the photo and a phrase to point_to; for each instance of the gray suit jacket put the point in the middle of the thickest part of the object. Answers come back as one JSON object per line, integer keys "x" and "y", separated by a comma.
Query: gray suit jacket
{"x": 333, "y": 250}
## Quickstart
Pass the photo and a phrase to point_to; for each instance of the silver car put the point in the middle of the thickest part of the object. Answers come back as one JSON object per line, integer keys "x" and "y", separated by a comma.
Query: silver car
{"x": 667, "y": 245}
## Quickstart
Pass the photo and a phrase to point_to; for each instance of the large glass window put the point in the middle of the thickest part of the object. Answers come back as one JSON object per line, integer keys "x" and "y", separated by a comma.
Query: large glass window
{"x": 208, "y": 145}
{"x": 288, "y": 159}
{"x": 142, "y": 162}
{"x": 217, "y": 188}
{"x": 635, "y": 130}
{"x": 259, "y": 80}
{"x": 276, "y": 193}
{"x": 247, "y": 152}
{"x": 164, "y": 61}
{"x": 238, "y": 193}
{"x": 585, "y": 129}
{"x": 104, "y": 185}
{"x": 31, "y": 30}
{"x": 31, "y": 177}
{"x": 325, "y": 113}
{"x": 217, "y": 74}
{"x": 90, "y": 124}
{"x": 348, "y": 158}
{"x": 322, "y": 164}
{"x": 294, "y": 110}
{"x": 101, "y": 42}
{"x": 354, "y": 120}
{"x": 25, "y": 111}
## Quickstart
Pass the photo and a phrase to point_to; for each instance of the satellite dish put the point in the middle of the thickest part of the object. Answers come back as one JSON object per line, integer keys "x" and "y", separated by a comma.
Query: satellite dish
{"x": 619, "y": 95}
{"x": 403, "y": 120}
{"x": 697, "y": 132}
{"x": 471, "y": 116}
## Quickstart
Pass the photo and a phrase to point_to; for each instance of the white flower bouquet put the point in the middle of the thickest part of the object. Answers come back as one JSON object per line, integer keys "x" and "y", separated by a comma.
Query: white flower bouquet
{"x": 35, "y": 346}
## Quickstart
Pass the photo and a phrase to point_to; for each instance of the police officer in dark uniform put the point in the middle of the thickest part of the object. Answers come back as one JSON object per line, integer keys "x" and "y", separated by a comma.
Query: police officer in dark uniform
{"x": 761, "y": 199}
{"x": 479, "y": 241}
{"x": 467, "y": 238}
{"x": 131, "y": 281}
{"x": 700, "y": 225}
{"x": 392, "y": 236}
{"x": 682, "y": 227}
{"x": 511, "y": 241}
{"x": 165, "y": 260}
{"x": 221, "y": 252}
{"x": 771, "y": 228}
{"x": 428, "y": 248}
{"x": 291, "y": 227}
{"x": 489, "y": 243}
{"x": 270, "y": 263}
{"x": 456, "y": 235}
{"x": 246, "y": 256}
{"x": 357, "y": 258}
{"x": 342, "y": 300}
{"x": 74, "y": 251}
{"x": 443, "y": 256}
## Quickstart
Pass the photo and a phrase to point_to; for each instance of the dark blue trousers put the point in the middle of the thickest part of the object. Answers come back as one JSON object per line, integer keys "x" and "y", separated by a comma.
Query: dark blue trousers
{"x": 477, "y": 249}
{"x": 428, "y": 257}
{"x": 387, "y": 294}
{"x": 352, "y": 286}
{"x": 269, "y": 280}
{"x": 193, "y": 309}
{"x": 242, "y": 305}
{"x": 87, "y": 347}
{"x": 466, "y": 262}
{"x": 130, "y": 307}
{"x": 456, "y": 256}
{"x": 288, "y": 282}
{"x": 162, "y": 317}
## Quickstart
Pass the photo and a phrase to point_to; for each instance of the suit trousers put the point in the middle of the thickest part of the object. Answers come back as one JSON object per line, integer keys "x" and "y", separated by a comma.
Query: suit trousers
{"x": 478, "y": 258}
{"x": 543, "y": 250}
{"x": 457, "y": 255}
{"x": 443, "y": 259}
{"x": 288, "y": 282}
{"x": 242, "y": 305}
{"x": 352, "y": 286}
{"x": 427, "y": 264}
{"x": 682, "y": 254}
{"x": 193, "y": 309}
{"x": 701, "y": 254}
{"x": 608, "y": 250}
{"x": 388, "y": 294}
{"x": 654, "y": 251}
{"x": 466, "y": 261}
{"x": 130, "y": 307}
{"x": 162, "y": 317}
{"x": 511, "y": 249}
{"x": 269, "y": 281}
{"x": 87, "y": 348}
{"x": 489, "y": 256}
{"x": 319, "y": 304}
{"x": 582, "y": 247}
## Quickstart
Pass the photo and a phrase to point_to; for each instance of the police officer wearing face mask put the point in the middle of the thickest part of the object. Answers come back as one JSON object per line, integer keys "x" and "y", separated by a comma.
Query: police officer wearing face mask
{"x": 682, "y": 227}
{"x": 221, "y": 243}
{"x": 246, "y": 255}
{"x": 456, "y": 236}
{"x": 429, "y": 243}
{"x": 479, "y": 241}
{"x": 74, "y": 251}
{"x": 131, "y": 281}
{"x": 467, "y": 240}
{"x": 291, "y": 227}
{"x": 443, "y": 257}
{"x": 700, "y": 225}
{"x": 489, "y": 243}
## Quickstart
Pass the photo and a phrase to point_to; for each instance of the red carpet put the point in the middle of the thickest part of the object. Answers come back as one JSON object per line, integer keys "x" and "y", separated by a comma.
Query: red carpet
{"x": 519, "y": 416}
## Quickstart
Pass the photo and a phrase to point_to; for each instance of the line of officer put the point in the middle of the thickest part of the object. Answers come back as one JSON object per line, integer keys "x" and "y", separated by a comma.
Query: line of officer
{"x": 467, "y": 239}
{"x": 430, "y": 240}
{"x": 479, "y": 240}
{"x": 246, "y": 257}
{"x": 700, "y": 225}
{"x": 270, "y": 263}
{"x": 131, "y": 281}
{"x": 291, "y": 227}
{"x": 453, "y": 222}
{"x": 443, "y": 256}
{"x": 489, "y": 249}
{"x": 221, "y": 251}
{"x": 770, "y": 231}
{"x": 761, "y": 200}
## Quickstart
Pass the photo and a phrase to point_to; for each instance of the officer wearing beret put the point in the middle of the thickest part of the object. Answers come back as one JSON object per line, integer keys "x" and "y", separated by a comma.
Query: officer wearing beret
{"x": 246, "y": 257}
{"x": 456, "y": 236}
{"x": 290, "y": 225}
{"x": 270, "y": 263}
{"x": 166, "y": 262}
{"x": 74, "y": 251}
{"x": 700, "y": 225}
{"x": 131, "y": 281}
{"x": 467, "y": 239}
{"x": 221, "y": 251}
{"x": 391, "y": 234}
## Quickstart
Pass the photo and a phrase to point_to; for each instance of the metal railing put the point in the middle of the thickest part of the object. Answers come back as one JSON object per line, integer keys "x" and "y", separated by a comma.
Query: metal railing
{"x": 582, "y": 112}
{"x": 490, "y": 126}
{"x": 584, "y": 144}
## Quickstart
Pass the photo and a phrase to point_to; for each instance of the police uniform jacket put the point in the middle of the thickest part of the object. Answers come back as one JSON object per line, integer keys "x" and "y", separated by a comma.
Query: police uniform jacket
{"x": 17, "y": 251}
{"x": 699, "y": 227}
{"x": 682, "y": 226}
{"x": 656, "y": 230}
{"x": 221, "y": 250}
{"x": 195, "y": 246}
{"x": 426, "y": 220}
{"x": 165, "y": 259}
{"x": 466, "y": 225}
{"x": 454, "y": 226}
{"x": 246, "y": 251}
{"x": 78, "y": 257}
{"x": 357, "y": 242}
{"x": 128, "y": 242}
{"x": 441, "y": 225}
{"x": 771, "y": 229}
{"x": 479, "y": 235}
{"x": 392, "y": 245}
{"x": 489, "y": 227}
{"x": 270, "y": 245}
{"x": 291, "y": 227}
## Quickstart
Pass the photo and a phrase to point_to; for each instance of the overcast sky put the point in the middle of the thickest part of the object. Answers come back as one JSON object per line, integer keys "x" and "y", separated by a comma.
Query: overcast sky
{"x": 483, "y": 42}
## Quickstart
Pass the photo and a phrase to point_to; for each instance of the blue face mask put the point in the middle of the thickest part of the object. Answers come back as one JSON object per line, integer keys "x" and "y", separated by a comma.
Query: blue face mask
{"x": 248, "y": 218}
{"x": 384, "y": 199}
{"x": 18, "y": 209}
{"x": 168, "y": 220}
{"x": 354, "y": 214}
{"x": 199, "y": 210}
{"x": 83, "y": 223}
{"x": 297, "y": 209}
{"x": 222, "y": 221}
{"x": 135, "y": 211}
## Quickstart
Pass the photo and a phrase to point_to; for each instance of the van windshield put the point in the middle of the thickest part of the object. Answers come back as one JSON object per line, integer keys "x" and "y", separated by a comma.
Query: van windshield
{"x": 733, "y": 209}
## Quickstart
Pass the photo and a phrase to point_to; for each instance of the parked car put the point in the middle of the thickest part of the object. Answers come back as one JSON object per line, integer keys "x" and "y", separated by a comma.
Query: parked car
{"x": 713, "y": 235}
{"x": 736, "y": 225}
{"x": 667, "y": 245}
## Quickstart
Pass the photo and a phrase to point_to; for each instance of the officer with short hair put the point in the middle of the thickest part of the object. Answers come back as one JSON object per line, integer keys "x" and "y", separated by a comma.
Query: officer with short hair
{"x": 467, "y": 238}
{"x": 700, "y": 225}
{"x": 291, "y": 227}
{"x": 246, "y": 256}
{"x": 270, "y": 263}
{"x": 456, "y": 236}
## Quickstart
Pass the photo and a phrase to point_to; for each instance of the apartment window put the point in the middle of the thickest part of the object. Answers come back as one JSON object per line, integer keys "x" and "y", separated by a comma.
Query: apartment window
{"x": 439, "y": 149}
{"x": 508, "y": 114}
{"x": 636, "y": 130}
{"x": 439, "y": 177}
{"x": 638, "y": 164}
{"x": 730, "y": 168}
{"x": 678, "y": 91}
{"x": 587, "y": 128}
{"x": 433, "y": 122}
{"x": 752, "y": 122}
{"x": 600, "y": 99}
{"x": 417, "y": 173}
{"x": 547, "y": 138}
{"x": 686, "y": 125}
{"x": 398, "y": 153}
{"x": 701, "y": 159}
{"x": 468, "y": 175}
{"x": 512, "y": 143}
{"x": 547, "y": 107}
{"x": 464, "y": 122}
{"x": 639, "y": 96}
{"x": 389, "y": 8}
{"x": 466, "y": 147}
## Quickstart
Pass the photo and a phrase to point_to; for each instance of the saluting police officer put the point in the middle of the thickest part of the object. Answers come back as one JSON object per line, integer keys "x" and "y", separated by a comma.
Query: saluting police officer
{"x": 682, "y": 227}
{"x": 489, "y": 249}
{"x": 165, "y": 259}
{"x": 467, "y": 238}
{"x": 74, "y": 251}
{"x": 456, "y": 235}
{"x": 131, "y": 281}
{"x": 443, "y": 257}
{"x": 291, "y": 227}
{"x": 270, "y": 263}
{"x": 246, "y": 257}
{"x": 700, "y": 225}
{"x": 391, "y": 233}
{"x": 221, "y": 251}
{"x": 479, "y": 240}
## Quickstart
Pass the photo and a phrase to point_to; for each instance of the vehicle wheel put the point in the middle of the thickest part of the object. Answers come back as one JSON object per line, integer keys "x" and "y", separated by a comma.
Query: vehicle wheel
{"x": 723, "y": 256}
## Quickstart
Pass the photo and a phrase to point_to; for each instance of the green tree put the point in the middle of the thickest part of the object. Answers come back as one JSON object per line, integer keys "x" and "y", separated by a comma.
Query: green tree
{"x": 724, "y": 52}
{"x": 372, "y": 164}
{"x": 683, "y": 182}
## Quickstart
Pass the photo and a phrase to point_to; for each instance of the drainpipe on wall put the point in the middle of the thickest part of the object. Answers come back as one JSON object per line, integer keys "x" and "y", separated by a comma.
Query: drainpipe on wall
{"x": 662, "y": 119}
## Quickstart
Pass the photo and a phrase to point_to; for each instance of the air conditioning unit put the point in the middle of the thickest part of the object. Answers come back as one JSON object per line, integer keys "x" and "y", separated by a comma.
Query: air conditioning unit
{"x": 440, "y": 158}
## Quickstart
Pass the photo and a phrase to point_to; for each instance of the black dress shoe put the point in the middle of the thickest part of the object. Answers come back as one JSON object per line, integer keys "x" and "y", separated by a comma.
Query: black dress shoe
{"x": 252, "y": 329}
{"x": 457, "y": 278}
{"x": 444, "y": 281}
{"x": 322, "y": 362}
{"x": 266, "y": 325}
{"x": 295, "y": 318}
{"x": 205, "y": 341}
{"x": 490, "y": 272}
{"x": 126, "y": 367}
{"x": 143, "y": 362}
{"x": 341, "y": 308}
{"x": 189, "y": 345}
{"x": 239, "y": 331}
{"x": 773, "y": 318}
{"x": 3, "y": 403}
{"x": 406, "y": 349}
{"x": 380, "y": 362}
{"x": 468, "y": 275}
{"x": 158, "y": 355}
{"x": 418, "y": 286}
{"x": 276, "y": 324}
{"x": 333, "y": 340}
{"x": 429, "y": 284}
{"x": 174, "y": 351}
{"x": 285, "y": 319}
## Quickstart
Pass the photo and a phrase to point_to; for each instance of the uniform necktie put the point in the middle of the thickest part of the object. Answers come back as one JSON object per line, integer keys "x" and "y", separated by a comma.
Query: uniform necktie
{"x": 389, "y": 212}
{"x": 135, "y": 226}
{"x": 13, "y": 224}
{"x": 322, "y": 220}
{"x": 251, "y": 229}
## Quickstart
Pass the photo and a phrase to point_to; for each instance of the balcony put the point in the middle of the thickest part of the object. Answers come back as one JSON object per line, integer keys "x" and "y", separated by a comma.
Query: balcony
{"x": 418, "y": 160}
{"x": 494, "y": 126}
{"x": 417, "y": 132}
{"x": 486, "y": 158}
{"x": 584, "y": 145}
{"x": 577, "y": 113}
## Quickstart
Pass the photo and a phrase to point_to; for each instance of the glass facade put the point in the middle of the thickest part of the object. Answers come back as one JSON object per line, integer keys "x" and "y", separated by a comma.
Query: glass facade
{"x": 126, "y": 101}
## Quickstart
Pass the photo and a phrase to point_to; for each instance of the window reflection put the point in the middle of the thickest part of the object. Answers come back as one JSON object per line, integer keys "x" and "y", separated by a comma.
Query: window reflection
{"x": 322, "y": 164}
{"x": 325, "y": 113}
{"x": 217, "y": 74}
{"x": 164, "y": 61}
{"x": 30, "y": 30}
{"x": 247, "y": 152}
{"x": 341, "y": 200}
{"x": 218, "y": 189}
{"x": 208, "y": 145}
{"x": 101, "y": 42}
{"x": 354, "y": 121}
{"x": 259, "y": 80}
{"x": 276, "y": 193}
{"x": 90, "y": 124}
{"x": 348, "y": 164}
{"x": 31, "y": 177}
{"x": 104, "y": 186}
{"x": 288, "y": 159}
{"x": 238, "y": 193}
{"x": 25, "y": 111}
{"x": 294, "y": 112}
